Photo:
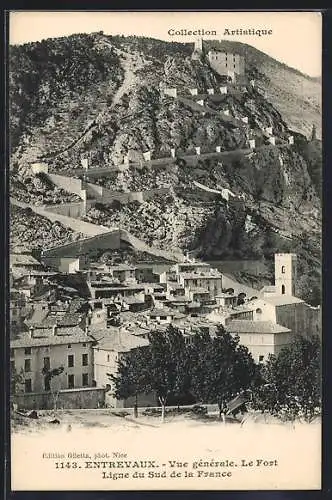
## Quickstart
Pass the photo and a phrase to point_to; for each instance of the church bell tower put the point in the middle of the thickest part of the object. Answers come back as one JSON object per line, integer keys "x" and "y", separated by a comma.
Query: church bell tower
{"x": 285, "y": 273}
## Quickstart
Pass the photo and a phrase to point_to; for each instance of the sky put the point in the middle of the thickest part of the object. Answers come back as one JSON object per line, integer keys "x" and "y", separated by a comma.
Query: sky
{"x": 296, "y": 38}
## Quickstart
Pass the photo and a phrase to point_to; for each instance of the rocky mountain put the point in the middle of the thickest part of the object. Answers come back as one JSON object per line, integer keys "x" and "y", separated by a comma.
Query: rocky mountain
{"x": 99, "y": 97}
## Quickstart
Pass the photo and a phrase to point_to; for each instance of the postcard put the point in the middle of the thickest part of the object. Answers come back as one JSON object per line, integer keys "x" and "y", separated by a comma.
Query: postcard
{"x": 165, "y": 250}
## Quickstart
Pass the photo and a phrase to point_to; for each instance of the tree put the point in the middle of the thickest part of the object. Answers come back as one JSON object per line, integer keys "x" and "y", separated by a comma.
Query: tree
{"x": 49, "y": 374}
{"x": 16, "y": 379}
{"x": 161, "y": 367}
{"x": 220, "y": 367}
{"x": 292, "y": 381}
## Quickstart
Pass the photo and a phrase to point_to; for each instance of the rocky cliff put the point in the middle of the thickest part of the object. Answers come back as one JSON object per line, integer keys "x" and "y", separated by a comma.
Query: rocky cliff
{"x": 100, "y": 97}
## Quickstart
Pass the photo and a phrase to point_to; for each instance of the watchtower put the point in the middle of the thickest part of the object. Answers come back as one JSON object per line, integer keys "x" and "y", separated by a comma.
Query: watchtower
{"x": 285, "y": 273}
{"x": 198, "y": 45}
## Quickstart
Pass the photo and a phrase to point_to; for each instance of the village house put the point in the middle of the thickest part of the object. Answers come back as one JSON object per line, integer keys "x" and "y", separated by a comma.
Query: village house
{"x": 198, "y": 294}
{"x": 189, "y": 326}
{"x": 144, "y": 273}
{"x": 104, "y": 289}
{"x": 260, "y": 337}
{"x": 163, "y": 316}
{"x": 107, "y": 353}
{"x": 51, "y": 348}
{"x": 71, "y": 265}
{"x": 33, "y": 283}
{"x": 288, "y": 311}
{"x": 20, "y": 264}
{"x": 47, "y": 313}
{"x": 210, "y": 280}
{"x": 226, "y": 299}
{"x": 188, "y": 267}
{"x": 123, "y": 273}
{"x": 19, "y": 308}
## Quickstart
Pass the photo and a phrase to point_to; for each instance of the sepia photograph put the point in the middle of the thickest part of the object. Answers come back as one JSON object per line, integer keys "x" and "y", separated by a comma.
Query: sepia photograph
{"x": 165, "y": 223}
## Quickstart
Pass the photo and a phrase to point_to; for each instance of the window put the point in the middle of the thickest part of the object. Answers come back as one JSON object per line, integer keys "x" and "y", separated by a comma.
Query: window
{"x": 12, "y": 353}
{"x": 12, "y": 365}
{"x": 27, "y": 365}
{"x": 84, "y": 359}
{"x": 69, "y": 346}
{"x": 47, "y": 363}
{"x": 261, "y": 358}
{"x": 27, "y": 350}
{"x": 70, "y": 360}
{"x": 108, "y": 357}
{"x": 283, "y": 269}
{"x": 283, "y": 289}
{"x": 84, "y": 345}
{"x": 85, "y": 379}
{"x": 28, "y": 385}
{"x": 163, "y": 317}
{"x": 47, "y": 385}
{"x": 71, "y": 382}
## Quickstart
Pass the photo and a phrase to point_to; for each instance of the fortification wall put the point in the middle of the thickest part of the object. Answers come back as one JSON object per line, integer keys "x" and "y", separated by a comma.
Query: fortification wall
{"x": 93, "y": 190}
{"x": 106, "y": 196}
{"x": 144, "y": 247}
{"x": 109, "y": 240}
{"x": 76, "y": 225}
{"x": 74, "y": 210}
{"x": 69, "y": 184}
{"x": 89, "y": 397}
{"x": 223, "y": 62}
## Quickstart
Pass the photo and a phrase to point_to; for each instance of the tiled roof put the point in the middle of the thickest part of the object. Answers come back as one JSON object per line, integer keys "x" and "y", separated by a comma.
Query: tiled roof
{"x": 226, "y": 295}
{"x": 132, "y": 300}
{"x": 122, "y": 342}
{"x": 283, "y": 300}
{"x": 201, "y": 275}
{"x": 108, "y": 285}
{"x": 180, "y": 298}
{"x": 199, "y": 290}
{"x": 161, "y": 312}
{"x": 65, "y": 320}
{"x": 38, "y": 317}
{"x": 23, "y": 260}
{"x": 249, "y": 326}
{"x": 68, "y": 336}
{"x": 122, "y": 267}
{"x": 268, "y": 289}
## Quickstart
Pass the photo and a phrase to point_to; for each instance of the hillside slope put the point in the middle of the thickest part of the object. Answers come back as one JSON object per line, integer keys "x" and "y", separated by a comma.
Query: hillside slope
{"x": 99, "y": 97}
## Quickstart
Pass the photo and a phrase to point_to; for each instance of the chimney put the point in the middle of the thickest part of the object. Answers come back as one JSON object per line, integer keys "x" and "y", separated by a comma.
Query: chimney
{"x": 31, "y": 329}
{"x": 54, "y": 329}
